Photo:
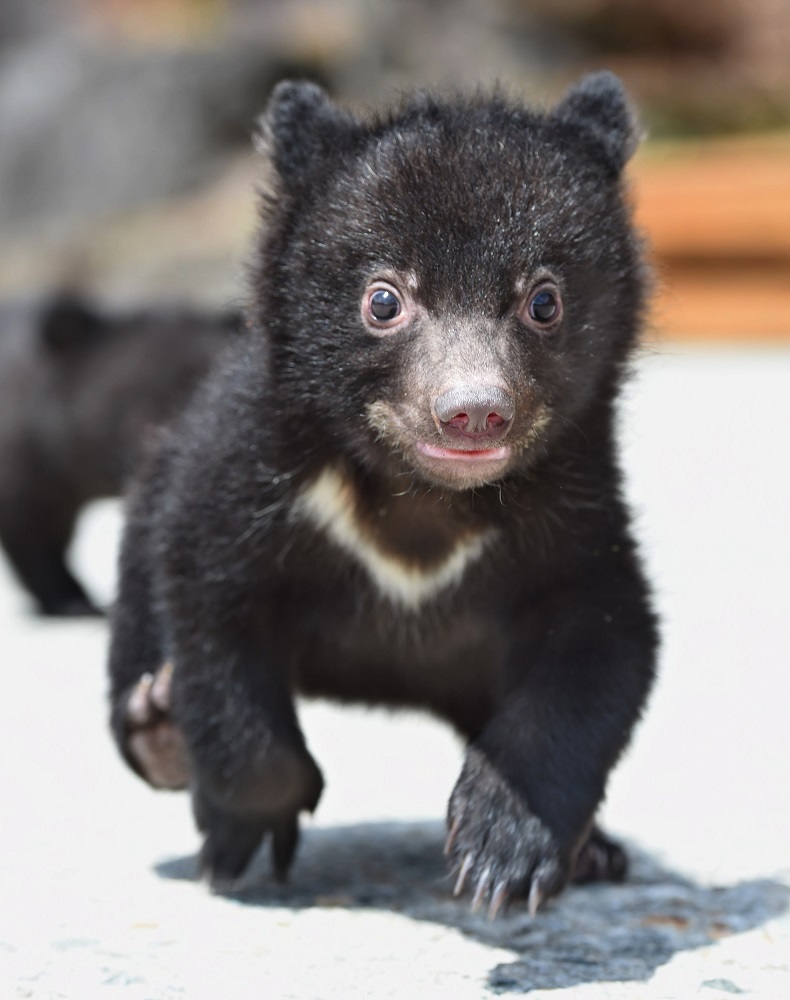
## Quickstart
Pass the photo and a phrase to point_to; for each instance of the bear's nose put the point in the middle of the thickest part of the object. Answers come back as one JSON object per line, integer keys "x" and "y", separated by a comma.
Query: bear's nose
{"x": 474, "y": 411}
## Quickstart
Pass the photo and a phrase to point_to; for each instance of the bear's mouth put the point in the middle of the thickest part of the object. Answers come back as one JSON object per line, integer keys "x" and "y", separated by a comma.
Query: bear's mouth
{"x": 462, "y": 464}
{"x": 464, "y": 455}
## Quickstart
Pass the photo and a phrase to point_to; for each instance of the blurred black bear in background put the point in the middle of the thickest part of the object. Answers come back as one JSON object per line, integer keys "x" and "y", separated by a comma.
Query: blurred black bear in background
{"x": 81, "y": 392}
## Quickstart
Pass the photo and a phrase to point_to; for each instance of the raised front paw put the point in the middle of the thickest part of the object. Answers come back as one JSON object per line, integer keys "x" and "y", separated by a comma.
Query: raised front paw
{"x": 151, "y": 740}
{"x": 495, "y": 844}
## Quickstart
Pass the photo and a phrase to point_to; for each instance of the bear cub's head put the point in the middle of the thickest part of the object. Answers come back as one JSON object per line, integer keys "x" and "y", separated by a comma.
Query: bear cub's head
{"x": 446, "y": 288}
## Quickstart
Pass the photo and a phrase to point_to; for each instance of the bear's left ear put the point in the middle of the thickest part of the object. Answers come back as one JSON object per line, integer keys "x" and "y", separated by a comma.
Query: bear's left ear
{"x": 598, "y": 107}
{"x": 300, "y": 129}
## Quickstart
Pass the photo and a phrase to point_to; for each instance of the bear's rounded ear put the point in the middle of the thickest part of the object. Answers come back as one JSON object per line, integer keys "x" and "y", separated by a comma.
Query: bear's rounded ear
{"x": 300, "y": 128}
{"x": 598, "y": 107}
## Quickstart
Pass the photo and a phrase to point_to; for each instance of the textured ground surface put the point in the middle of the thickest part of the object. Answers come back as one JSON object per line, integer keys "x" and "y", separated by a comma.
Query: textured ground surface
{"x": 98, "y": 896}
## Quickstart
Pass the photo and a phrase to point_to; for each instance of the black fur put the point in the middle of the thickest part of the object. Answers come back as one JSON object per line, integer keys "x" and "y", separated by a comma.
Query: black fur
{"x": 236, "y": 568}
{"x": 81, "y": 394}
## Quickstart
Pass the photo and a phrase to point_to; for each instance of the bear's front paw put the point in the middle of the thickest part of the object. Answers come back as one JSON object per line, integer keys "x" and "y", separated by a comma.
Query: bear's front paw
{"x": 496, "y": 845}
{"x": 266, "y": 801}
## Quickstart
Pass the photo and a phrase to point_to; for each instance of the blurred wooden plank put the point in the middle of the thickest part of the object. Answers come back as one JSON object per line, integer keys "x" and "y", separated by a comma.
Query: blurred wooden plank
{"x": 717, "y": 199}
{"x": 734, "y": 303}
{"x": 717, "y": 215}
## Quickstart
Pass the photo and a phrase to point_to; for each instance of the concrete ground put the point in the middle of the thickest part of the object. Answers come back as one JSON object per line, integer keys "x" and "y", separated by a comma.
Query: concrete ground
{"x": 98, "y": 896}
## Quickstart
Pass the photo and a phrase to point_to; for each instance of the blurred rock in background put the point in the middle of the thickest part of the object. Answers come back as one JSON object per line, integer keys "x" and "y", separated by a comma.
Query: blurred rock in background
{"x": 126, "y": 170}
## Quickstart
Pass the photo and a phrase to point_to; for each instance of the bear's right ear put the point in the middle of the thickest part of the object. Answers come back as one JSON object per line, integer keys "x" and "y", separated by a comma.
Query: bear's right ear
{"x": 300, "y": 128}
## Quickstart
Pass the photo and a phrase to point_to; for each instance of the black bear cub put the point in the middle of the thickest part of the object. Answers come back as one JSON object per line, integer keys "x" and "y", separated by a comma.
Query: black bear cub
{"x": 403, "y": 488}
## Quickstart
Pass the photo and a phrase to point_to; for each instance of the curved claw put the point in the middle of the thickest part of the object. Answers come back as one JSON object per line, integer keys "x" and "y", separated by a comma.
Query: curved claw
{"x": 465, "y": 869}
{"x": 449, "y": 844}
{"x": 498, "y": 900}
{"x": 535, "y": 897}
{"x": 161, "y": 688}
{"x": 483, "y": 884}
{"x": 138, "y": 707}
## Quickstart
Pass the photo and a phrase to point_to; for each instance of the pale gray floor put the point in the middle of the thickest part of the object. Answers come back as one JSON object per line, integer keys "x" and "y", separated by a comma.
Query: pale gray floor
{"x": 97, "y": 889}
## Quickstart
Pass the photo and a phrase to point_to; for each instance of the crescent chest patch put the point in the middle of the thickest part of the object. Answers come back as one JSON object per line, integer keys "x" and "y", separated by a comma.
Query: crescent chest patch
{"x": 330, "y": 505}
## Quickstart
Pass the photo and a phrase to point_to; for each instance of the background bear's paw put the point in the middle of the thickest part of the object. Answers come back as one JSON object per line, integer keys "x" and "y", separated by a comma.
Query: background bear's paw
{"x": 496, "y": 846}
{"x": 153, "y": 741}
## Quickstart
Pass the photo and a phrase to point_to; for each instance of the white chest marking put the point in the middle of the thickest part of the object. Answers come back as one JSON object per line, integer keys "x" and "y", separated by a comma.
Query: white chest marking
{"x": 328, "y": 503}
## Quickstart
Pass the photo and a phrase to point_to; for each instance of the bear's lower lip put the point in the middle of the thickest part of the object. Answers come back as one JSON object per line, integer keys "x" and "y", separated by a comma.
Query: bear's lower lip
{"x": 456, "y": 455}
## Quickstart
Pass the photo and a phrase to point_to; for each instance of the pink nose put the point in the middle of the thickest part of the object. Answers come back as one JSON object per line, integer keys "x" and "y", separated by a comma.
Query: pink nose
{"x": 474, "y": 411}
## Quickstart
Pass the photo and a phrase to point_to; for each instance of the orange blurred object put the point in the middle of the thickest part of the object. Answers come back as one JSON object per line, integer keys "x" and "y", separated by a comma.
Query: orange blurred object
{"x": 717, "y": 215}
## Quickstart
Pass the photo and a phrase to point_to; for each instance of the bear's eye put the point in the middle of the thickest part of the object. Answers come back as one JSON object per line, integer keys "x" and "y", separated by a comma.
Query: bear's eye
{"x": 384, "y": 305}
{"x": 384, "y": 308}
{"x": 544, "y": 306}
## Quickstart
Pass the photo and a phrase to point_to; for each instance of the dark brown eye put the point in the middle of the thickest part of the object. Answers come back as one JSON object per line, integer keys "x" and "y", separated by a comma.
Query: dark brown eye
{"x": 544, "y": 306}
{"x": 384, "y": 305}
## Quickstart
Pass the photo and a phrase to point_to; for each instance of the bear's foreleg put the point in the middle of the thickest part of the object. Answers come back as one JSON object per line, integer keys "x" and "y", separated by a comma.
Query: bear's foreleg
{"x": 251, "y": 772}
{"x": 522, "y": 809}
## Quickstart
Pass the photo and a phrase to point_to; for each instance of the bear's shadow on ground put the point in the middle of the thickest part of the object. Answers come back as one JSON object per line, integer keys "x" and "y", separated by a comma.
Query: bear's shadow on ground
{"x": 589, "y": 934}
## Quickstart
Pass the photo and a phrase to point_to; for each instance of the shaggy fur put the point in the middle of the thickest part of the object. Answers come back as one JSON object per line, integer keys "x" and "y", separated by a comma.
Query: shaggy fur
{"x": 412, "y": 504}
